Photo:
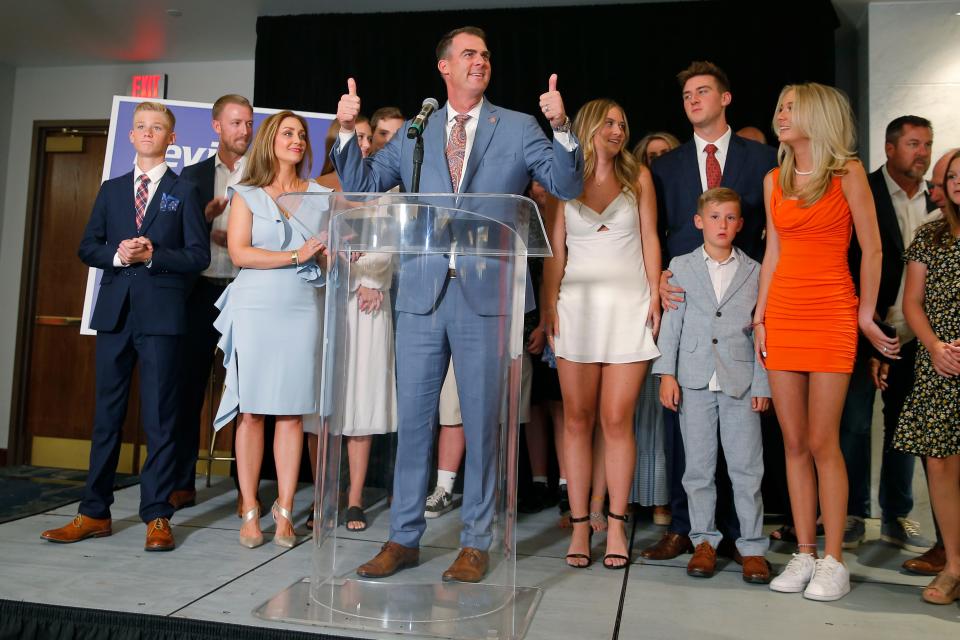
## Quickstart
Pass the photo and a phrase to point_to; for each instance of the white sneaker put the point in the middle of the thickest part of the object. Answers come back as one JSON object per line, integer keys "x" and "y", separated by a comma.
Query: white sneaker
{"x": 830, "y": 581}
{"x": 796, "y": 575}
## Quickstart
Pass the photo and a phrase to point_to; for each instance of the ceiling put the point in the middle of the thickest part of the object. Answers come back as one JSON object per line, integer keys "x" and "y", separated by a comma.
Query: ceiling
{"x": 83, "y": 32}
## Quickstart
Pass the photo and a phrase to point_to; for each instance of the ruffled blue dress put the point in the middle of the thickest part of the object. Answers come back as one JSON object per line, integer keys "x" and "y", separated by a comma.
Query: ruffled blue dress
{"x": 270, "y": 322}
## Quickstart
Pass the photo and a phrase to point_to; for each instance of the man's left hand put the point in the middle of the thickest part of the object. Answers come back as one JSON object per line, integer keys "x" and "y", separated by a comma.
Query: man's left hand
{"x": 552, "y": 104}
{"x": 139, "y": 249}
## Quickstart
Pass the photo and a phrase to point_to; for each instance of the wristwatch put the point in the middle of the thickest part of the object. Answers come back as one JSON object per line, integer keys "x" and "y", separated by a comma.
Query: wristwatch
{"x": 563, "y": 127}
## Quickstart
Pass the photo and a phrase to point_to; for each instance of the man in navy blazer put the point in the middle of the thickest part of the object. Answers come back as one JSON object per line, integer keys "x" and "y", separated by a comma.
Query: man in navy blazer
{"x": 233, "y": 122}
{"x": 454, "y": 304}
{"x": 679, "y": 178}
{"x": 147, "y": 234}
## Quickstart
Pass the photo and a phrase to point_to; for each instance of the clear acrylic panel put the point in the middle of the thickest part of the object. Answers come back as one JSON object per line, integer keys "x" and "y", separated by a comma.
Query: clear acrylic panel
{"x": 399, "y": 247}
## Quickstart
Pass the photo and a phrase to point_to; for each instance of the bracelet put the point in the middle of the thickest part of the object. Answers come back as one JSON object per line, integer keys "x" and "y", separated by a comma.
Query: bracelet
{"x": 757, "y": 324}
{"x": 295, "y": 258}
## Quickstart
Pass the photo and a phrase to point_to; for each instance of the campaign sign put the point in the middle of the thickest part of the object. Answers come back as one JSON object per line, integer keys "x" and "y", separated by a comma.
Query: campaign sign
{"x": 196, "y": 141}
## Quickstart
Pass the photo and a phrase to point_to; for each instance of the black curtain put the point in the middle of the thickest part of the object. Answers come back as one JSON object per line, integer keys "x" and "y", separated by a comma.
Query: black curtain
{"x": 629, "y": 52}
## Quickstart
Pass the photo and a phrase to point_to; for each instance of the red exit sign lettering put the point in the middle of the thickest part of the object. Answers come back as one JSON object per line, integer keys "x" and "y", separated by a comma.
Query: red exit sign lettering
{"x": 149, "y": 86}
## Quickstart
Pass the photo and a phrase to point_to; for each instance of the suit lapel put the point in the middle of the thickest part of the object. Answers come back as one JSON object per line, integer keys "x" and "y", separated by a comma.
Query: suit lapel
{"x": 691, "y": 167}
{"x": 886, "y": 216}
{"x": 166, "y": 183}
{"x": 481, "y": 140}
{"x": 733, "y": 165}
{"x": 434, "y": 142}
{"x": 700, "y": 269}
{"x": 744, "y": 269}
{"x": 129, "y": 221}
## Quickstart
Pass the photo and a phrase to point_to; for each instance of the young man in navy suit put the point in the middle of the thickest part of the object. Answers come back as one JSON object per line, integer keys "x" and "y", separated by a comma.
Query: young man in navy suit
{"x": 233, "y": 123}
{"x": 444, "y": 306}
{"x": 715, "y": 157}
{"x": 147, "y": 234}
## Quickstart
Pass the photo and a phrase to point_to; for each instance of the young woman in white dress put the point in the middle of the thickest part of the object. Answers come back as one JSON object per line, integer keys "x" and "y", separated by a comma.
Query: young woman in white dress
{"x": 602, "y": 313}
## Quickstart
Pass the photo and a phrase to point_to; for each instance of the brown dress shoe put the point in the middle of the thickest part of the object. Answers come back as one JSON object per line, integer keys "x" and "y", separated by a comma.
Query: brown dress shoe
{"x": 470, "y": 566}
{"x": 703, "y": 564}
{"x": 669, "y": 546}
{"x": 392, "y": 558}
{"x": 756, "y": 570}
{"x": 930, "y": 563}
{"x": 80, "y": 528}
{"x": 159, "y": 536}
{"x": 182, "y": 498}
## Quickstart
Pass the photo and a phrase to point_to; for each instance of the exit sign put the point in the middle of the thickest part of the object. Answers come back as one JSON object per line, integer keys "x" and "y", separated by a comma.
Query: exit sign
{"x": 149, "y": 86}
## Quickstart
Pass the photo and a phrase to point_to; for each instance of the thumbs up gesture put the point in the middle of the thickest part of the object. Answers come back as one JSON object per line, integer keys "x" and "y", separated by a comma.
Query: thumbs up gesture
{"x": 349, "y": 107}
{"x": 552, "y": 104}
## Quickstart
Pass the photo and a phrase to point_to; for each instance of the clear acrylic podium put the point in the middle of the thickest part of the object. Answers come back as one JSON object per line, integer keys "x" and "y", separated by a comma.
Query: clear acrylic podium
{"x": 408, "y": 241}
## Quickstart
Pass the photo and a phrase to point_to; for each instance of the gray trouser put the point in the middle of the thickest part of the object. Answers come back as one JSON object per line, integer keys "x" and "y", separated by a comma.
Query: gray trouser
{"x": 739, "y": 431}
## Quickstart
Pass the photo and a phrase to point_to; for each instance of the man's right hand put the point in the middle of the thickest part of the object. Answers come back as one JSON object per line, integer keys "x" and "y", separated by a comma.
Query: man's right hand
{"x": 349, "y": 107}
{"x": 214, "y": 208}
{"x": 669, "y": 294}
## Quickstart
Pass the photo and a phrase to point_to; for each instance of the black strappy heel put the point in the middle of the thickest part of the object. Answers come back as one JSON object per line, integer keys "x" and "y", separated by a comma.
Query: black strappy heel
{"x": 616, "y": 556}
{"x": 578, "y": 556}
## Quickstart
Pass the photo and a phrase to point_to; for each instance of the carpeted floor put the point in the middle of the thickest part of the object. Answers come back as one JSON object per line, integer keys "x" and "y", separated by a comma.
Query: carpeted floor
{"x": 26, "y": 491}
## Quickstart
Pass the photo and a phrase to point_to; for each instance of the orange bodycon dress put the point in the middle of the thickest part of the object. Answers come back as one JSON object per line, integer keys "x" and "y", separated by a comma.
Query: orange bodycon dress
{"x": 811, "y": 314}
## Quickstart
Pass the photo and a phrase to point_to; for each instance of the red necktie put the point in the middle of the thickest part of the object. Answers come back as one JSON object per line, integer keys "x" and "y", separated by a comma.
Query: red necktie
{"x": 713, "y": 167}
{"x": 140, "y": 200}
{"x": 456, "y": 149}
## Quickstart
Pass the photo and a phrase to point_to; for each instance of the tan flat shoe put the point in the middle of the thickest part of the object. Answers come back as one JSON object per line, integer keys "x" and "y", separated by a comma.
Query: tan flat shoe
{"x": 944, "y": 589}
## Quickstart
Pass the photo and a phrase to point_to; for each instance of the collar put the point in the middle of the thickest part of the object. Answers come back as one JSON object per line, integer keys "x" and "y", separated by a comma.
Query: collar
{"x": 473, "y": 113}
{"x": 893, "y": 187}
{"x": 220, "y": 163}
{"x": 154, "y": 174}
{"x": 707, "y": 258}
{"x": 722, "y": 143}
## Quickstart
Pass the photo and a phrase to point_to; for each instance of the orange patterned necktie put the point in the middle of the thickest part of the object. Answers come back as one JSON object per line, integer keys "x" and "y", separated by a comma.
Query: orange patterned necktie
{"x": 714, "y": 176}
{"x": 456, "y": 149}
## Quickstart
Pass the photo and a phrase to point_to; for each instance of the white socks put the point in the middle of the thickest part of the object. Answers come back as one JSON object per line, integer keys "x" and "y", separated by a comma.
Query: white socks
{"x": 446, "y": 479}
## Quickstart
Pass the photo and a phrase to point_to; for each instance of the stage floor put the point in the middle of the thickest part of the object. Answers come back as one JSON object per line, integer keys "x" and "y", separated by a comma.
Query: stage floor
{"x": 210, "y": 577}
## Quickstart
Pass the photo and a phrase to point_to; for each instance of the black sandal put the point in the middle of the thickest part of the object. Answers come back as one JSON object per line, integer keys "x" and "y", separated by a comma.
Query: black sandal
{"x": 355, "y": 514}
{"x": 616, "y": 556}
{"x": 578, "y": 556}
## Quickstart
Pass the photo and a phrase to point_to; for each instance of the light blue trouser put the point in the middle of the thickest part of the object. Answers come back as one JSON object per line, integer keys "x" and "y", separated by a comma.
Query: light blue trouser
{"x": 740, "y": 435}
{"x": 424, "y": 347}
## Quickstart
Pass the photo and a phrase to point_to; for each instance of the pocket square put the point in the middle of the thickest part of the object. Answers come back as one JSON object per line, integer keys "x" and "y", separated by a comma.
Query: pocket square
{"x": 168, "y": 203}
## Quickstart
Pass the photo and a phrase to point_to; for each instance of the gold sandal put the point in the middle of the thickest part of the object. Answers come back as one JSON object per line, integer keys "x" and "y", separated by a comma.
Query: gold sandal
{"x": 944, "y": 589}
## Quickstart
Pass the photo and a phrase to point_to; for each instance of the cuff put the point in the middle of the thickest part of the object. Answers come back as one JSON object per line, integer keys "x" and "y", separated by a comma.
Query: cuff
{"x": 566, "y": 140}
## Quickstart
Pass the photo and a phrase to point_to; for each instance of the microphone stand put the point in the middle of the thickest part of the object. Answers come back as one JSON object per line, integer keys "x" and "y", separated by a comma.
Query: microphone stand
{"x": 417, "y": 164}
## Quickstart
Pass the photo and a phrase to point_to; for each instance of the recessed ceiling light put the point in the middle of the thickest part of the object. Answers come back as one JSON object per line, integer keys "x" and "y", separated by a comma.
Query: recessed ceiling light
{"x": 174, "y": 13}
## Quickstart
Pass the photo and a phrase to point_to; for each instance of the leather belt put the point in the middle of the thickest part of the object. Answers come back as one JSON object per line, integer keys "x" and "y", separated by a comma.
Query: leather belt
{"x": 220, "y": 282}
{"x": 451, "y": 273}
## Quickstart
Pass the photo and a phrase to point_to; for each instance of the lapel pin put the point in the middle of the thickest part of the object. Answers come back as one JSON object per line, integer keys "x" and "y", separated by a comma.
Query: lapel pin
{"x": 492, "y": 120}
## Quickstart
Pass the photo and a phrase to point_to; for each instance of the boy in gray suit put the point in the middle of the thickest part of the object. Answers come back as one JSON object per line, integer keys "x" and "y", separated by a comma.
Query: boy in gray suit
{"x": 707, "y": 349}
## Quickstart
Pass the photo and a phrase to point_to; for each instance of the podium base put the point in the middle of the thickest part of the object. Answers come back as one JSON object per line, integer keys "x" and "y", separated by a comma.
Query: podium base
{"x": 448, "y": 610}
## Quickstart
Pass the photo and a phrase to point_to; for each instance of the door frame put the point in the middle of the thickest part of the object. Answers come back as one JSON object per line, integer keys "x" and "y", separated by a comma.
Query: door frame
{"x": 19, "y": 441}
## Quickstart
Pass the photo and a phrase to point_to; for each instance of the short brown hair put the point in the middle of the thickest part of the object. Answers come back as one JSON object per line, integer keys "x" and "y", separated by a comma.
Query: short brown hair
{"x": 704, "y": 68}
{"x": 159, "y": 108}
{"x": 717, "y": 195}
{"x": 443, "y": 47}
{"x": 230, "y": 98}
{"x": 262, "y": 161}
{"x": 385, "y": 113}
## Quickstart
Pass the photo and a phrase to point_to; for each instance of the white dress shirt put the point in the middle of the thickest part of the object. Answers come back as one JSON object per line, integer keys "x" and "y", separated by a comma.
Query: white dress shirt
{"x": 911, "y": 215}
{"x": 155, "y": 175}
{"x": 221, "y": 266}
{"x": 722, "y": 144}
{"x": 721, "y": 275}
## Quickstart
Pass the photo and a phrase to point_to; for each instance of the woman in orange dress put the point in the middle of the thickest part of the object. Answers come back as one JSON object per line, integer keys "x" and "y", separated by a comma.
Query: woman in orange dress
{"x": 807, "y": 315}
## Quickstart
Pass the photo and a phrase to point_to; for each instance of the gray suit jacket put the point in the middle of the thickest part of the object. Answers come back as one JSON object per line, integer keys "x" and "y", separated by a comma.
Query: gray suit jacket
{"x": 704, "y": 335}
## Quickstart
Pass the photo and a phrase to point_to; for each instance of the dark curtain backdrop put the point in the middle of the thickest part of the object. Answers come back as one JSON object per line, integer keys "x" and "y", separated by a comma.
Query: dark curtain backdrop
{"x": 630, "y": 53}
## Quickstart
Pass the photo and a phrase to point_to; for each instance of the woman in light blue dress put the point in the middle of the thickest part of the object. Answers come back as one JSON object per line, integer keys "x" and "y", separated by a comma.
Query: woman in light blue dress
{"x": 270, "y": 319}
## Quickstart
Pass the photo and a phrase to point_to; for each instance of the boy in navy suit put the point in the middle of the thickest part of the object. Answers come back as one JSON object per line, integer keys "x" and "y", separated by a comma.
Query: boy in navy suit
{"x": 147, "y": 233}
{"x": 706, "y": 347}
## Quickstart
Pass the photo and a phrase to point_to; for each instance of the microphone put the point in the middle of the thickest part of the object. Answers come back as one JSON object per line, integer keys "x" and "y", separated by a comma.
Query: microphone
{"x": 416, "y": 127}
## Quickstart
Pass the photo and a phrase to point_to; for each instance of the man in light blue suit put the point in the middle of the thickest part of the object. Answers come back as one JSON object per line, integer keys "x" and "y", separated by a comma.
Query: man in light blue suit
{"x": 450, "y": 305}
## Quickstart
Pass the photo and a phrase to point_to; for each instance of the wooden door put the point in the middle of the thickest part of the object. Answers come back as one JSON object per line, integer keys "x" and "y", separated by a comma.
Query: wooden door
{"x": 56, "y": 370}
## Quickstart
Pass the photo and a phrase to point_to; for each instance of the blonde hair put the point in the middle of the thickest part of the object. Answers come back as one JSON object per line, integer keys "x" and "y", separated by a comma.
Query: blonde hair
{"x": 590, "y": 118}
{"x": 717, "y": 195}
{"x": 640, "y": 151}
{"x": 262, "y": 163}
{"x": 824, "y": 116}
{"x": 159, "y": 108}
